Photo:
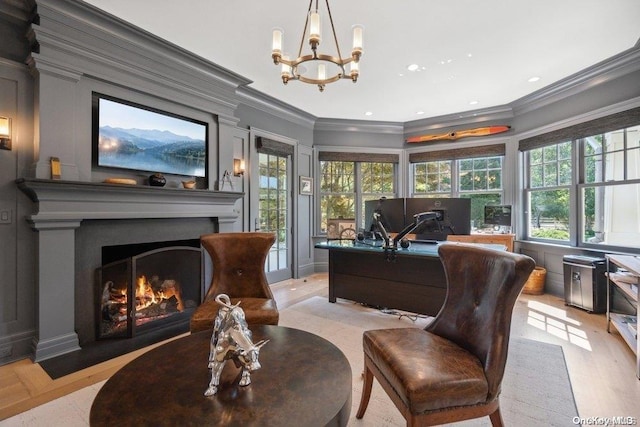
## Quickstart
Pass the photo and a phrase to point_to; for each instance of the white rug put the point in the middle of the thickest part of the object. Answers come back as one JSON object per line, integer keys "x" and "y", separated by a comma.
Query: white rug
{"x": 536, "y": 390}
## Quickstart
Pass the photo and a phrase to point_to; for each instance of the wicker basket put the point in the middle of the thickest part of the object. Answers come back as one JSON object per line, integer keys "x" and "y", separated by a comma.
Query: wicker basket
{"x": 535, "y": 284}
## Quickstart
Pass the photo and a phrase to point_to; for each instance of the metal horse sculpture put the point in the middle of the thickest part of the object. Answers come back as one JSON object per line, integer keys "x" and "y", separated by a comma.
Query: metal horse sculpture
{"x": 231, "y": 340}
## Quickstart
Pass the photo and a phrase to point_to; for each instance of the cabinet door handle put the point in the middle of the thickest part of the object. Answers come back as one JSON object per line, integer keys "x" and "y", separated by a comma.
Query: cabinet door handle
{"x": 580, "y": 265}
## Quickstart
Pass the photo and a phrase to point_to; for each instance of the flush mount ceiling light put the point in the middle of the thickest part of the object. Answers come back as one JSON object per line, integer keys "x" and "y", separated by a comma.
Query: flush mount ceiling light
{"x": 292, "y": 69}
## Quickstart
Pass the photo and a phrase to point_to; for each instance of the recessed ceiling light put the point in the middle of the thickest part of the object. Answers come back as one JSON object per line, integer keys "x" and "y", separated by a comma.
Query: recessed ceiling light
{"x": 368, "y": 113}
{"x": 533, "y": 79}
{"x": 473, "y": 102}
{"x": 469, "y": 55}
{"x": 400, "y": 75}
{"x": 413, "y": 67}
{"x": 419, "y": 113}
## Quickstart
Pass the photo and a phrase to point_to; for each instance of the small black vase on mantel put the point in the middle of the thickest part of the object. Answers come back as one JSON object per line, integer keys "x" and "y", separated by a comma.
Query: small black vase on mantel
{"x": 157, "y": 180}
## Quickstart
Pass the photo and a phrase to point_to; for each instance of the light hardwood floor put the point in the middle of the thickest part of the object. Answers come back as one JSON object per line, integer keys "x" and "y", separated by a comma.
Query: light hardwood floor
{"x": 601, "y": 366}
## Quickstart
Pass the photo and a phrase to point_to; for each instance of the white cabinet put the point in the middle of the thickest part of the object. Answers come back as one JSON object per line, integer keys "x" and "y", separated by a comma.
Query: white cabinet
{"x": 623, "y": 272}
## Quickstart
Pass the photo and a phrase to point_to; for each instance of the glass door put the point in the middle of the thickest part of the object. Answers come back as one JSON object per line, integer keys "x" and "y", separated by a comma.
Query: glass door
{"x": 274, "y": 206}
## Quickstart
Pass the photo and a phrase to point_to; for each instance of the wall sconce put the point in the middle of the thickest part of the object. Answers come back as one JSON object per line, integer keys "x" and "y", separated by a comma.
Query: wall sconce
{"x": 238, "y": 167}
{"x": 5, "y": 133}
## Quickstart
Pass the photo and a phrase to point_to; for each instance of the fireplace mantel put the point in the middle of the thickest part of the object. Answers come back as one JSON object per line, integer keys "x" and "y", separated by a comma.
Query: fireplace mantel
{"x": 59, "y": 200}
{"x": 59, "y": 209}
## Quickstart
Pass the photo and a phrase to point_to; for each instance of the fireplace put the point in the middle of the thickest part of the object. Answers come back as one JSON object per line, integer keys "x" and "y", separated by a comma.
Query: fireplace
{"x": 75, "y": 219}
{"x": 149, "y": 290}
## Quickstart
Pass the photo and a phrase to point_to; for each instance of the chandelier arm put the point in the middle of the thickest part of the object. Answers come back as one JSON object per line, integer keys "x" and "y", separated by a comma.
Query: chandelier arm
{"x": 304, "y": 31}
{"x": 335, "y": 37}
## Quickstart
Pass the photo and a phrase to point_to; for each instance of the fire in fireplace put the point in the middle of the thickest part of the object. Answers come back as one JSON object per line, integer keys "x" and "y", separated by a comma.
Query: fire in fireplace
{"x": 137, "y": 292}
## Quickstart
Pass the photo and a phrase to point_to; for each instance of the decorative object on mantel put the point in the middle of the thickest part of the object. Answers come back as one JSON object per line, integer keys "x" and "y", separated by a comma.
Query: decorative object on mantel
{"x": 157, "y": 180}
{"x": 189, "y": 184}
{"x": 126, "y": 181}
{"x": 483, "y": 131}
{"x": 231, "y": 340}
{"x": 226, "y": 179}
{"x": 56, "y": 171}
{"x": 291, "y": 69}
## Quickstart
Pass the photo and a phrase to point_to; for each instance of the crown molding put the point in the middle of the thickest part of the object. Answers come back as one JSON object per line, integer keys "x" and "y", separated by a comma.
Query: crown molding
{"x": 80, "y": 37}
{"x": 369, "y": 126}
{"x": 502, "y": 113}
{"x": 611, "y": 68}
{"x": 275, "y": 107}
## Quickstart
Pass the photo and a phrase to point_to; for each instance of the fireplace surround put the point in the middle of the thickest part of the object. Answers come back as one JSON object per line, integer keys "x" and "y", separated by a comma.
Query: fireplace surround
{"x": 72, "y": 219}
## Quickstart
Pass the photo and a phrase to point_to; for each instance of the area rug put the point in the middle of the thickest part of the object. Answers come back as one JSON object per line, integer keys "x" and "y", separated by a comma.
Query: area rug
{"x": 536, "y": 390}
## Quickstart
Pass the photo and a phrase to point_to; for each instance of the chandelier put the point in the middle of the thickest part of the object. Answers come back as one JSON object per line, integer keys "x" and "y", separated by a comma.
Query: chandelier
{"x": 295, "y": 69}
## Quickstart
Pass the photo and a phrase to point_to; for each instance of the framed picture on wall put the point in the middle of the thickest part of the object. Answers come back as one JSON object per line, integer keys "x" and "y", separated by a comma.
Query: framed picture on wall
{"x": 306, "y": 185}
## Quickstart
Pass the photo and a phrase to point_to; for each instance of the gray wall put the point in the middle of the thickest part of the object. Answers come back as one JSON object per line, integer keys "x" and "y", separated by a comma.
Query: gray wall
{"x": 17, "y": 242}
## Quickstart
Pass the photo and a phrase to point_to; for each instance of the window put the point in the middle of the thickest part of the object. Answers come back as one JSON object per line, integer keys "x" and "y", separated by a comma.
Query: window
{"x": 587, "y": 175}
{"x": 480, "y": 180}
{"x": 548, "y": 191}
{"x": 346, "y": 185}
{"x": 432, "y": 179}
{"x": 337, "y": 191}
{"x": 474, "y": 173}
{"x": 610, "y": 189}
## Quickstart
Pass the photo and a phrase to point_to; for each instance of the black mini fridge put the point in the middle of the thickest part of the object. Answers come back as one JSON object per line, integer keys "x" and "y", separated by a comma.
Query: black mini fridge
{"x": 585, "y": 282}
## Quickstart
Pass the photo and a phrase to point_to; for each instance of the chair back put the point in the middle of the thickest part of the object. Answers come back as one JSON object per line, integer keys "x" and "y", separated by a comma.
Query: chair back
{"x": 238, "y": 264}
{"x": 482, "y": 288}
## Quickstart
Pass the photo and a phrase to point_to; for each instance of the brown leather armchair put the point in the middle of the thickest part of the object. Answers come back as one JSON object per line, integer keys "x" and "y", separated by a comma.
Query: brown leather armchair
{"x": 452, "y": 370}
{"x": 238, "y": 271}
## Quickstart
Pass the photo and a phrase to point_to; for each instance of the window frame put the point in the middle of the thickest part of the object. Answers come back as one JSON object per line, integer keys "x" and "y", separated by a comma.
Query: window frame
{"x": 577, "y": 134}
{"x": 529, "y": 189}
{"x": 455, "y": 179}
{"x": 357, "y": 157}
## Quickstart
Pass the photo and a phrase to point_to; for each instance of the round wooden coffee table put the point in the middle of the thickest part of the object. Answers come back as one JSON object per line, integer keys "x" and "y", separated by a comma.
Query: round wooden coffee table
{"x": 304, "y": 380}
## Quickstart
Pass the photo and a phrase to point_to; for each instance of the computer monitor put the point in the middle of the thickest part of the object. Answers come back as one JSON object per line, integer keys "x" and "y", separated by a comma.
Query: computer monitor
{"x": 498, "y": 215}
{"x": 392, "y": 214}
{"x": 454, "y": 216}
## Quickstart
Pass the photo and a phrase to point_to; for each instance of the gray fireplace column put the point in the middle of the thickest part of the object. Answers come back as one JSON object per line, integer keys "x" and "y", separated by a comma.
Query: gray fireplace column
{"x": 55, "y": 277}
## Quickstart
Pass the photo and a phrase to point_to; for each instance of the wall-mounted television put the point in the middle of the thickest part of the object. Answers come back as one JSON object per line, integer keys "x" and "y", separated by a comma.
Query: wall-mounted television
{"x": 498, "y": 215}
{"x": 131, "y": 136}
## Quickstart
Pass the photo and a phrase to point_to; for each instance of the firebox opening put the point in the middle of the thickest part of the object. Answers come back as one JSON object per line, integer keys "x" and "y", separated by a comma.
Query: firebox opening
{"x": 147, "y": 290}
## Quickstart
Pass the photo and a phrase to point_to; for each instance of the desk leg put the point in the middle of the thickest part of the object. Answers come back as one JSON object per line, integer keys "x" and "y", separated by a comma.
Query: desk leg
{"x": 332, "y": 290}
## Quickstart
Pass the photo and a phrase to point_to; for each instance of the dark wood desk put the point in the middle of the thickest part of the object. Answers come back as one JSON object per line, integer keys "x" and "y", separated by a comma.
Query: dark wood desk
{"x": 304, "y": 380}
{"x": 409, "y": 279}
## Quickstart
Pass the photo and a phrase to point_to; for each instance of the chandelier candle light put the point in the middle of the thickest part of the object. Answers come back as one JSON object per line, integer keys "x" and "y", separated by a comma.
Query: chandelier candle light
{"x": 291, "y": 69}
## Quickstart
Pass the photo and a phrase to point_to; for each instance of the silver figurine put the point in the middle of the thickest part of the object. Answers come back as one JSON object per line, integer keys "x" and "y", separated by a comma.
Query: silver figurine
{"x": 231, "y": 340}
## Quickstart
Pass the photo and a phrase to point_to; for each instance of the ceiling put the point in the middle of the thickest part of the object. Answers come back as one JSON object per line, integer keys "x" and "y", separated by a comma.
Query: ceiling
{"x": 471, "y": 54}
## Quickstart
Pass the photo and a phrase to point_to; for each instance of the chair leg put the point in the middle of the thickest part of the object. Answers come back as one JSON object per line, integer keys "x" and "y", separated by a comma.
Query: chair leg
{"x": 366, "y": 391}
{"x": 496, "y": 418}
